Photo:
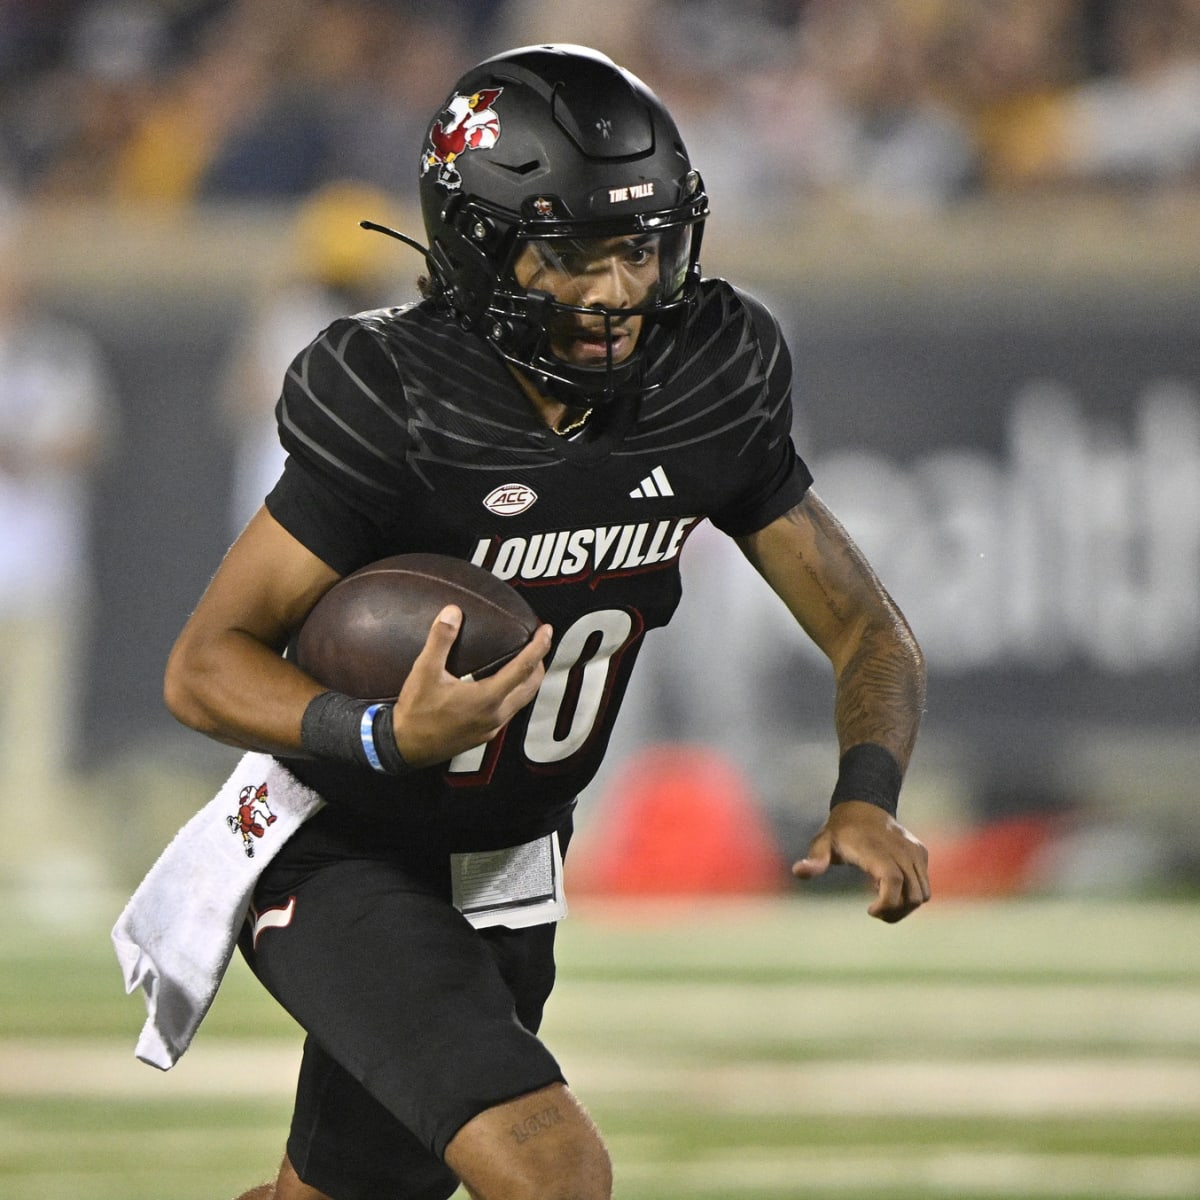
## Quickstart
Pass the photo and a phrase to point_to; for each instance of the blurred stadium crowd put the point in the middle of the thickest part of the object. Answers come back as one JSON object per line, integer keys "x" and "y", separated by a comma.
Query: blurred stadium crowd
{"x": 896, "y": 104}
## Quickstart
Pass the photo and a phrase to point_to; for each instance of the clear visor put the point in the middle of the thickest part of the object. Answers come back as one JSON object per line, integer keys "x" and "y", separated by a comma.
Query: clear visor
{"x": 635, "y": 271}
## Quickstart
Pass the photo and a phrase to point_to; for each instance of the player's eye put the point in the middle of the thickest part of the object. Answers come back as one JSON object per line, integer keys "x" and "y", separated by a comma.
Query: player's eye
{"x": 637, "y": 252}
{"x": 566, "y": 258}
{"x": 575, "y": 262}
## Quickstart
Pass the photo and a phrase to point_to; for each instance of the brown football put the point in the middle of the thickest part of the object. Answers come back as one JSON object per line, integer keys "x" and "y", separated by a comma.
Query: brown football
{"x": 364, "y": 634}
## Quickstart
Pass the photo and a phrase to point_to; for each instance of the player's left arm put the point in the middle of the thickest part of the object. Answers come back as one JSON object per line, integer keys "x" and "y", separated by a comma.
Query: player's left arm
{"x": 815, "y": 568}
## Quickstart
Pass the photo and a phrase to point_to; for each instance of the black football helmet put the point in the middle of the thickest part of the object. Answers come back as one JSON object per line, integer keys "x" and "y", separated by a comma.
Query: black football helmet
{"x": 557, "y": 152}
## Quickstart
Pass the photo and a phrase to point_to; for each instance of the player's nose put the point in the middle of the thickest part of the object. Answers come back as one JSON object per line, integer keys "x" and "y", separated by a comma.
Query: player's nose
{"x": 606, "y": 287}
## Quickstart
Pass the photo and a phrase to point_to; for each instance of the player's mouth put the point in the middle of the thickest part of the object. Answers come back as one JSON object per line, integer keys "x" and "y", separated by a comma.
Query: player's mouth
{"x": 589, "y": 347}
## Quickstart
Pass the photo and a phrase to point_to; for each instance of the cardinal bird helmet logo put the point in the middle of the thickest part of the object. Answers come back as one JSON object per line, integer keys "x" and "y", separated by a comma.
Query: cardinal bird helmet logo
{"x": 473, "y": 124}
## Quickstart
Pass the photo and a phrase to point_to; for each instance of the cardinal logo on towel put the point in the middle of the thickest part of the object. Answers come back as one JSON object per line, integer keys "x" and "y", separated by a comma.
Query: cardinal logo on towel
{"x": 253, "y": 816}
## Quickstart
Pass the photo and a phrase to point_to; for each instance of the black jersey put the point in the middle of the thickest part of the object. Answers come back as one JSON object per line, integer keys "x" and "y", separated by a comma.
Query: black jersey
{"x": 404, "y": 434}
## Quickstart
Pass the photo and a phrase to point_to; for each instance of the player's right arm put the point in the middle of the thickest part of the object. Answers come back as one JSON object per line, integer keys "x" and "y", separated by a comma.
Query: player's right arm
{"x": 226, "y": 676}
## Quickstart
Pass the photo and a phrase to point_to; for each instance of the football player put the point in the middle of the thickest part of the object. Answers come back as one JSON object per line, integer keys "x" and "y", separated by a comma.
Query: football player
{"x": 568, "y": 401}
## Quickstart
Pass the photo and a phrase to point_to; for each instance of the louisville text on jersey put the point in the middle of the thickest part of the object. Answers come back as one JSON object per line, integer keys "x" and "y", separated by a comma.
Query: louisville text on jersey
{"x": 594, "y": 552}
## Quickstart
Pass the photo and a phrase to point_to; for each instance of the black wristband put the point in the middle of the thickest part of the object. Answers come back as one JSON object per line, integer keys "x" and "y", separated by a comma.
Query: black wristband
{"x": 354, "y": 731}
{"x": 870, "y": 773}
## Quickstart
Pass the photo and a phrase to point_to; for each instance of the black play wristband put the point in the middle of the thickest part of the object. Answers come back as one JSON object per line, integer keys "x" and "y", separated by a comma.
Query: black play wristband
{"x": 354, "y": 731}
{"x": 870, "y": 773}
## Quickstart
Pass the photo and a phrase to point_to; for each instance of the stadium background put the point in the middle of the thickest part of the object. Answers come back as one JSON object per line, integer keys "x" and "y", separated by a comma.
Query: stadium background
{"x": 978, "y": 222}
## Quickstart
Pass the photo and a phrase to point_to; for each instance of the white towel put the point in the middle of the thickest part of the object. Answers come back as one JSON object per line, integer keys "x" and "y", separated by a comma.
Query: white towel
{"x": 177, "y": 934}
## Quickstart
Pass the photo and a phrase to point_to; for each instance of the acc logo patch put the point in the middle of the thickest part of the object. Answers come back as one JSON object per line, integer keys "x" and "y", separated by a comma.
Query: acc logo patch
{"x": 509, "y": 499}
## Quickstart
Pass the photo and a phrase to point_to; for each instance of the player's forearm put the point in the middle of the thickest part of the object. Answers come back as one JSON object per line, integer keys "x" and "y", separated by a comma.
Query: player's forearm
{"x": 812, "y": 564}
{"x": 236, "y": 690}
{"x": 881, "y": 689}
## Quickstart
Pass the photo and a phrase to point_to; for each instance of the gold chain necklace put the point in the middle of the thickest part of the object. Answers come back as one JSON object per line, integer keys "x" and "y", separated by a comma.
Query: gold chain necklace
{"x": 578, "y": 423}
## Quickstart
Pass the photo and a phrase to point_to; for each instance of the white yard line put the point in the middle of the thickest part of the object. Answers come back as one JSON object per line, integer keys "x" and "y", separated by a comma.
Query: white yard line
{"x": 953, "y": 1015}
{"x": 940, "y": 1172}
{"x": 1045, "y": 1086}
{"x": 980, "y": 1087}
{"x": 37, "y": 1067}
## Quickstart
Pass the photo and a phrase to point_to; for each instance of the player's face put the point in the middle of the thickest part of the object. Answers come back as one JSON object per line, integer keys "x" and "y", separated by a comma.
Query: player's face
{"x": 599, "y": 273}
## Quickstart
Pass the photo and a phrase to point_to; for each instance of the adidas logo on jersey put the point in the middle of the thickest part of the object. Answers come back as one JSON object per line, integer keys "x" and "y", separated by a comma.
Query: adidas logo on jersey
{"x": 654, "y": 485}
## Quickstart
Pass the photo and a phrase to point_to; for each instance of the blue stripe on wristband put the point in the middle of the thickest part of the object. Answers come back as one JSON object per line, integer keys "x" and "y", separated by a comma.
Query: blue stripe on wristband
{"x": 367, "y": 733}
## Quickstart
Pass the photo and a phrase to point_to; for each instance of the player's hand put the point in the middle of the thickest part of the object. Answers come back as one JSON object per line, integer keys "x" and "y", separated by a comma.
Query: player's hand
{"x": 438, "y": 715}
{"x": 866, "y": 837}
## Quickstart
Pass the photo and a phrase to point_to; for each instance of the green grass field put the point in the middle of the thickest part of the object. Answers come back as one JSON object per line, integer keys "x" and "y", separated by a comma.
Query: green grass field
{"x": 750, "y": 1051}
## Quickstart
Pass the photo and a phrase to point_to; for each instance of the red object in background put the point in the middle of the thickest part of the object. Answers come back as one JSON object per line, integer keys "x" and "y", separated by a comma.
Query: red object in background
{"x": 678, "y": 820}
{"x": 1002, "y": 858}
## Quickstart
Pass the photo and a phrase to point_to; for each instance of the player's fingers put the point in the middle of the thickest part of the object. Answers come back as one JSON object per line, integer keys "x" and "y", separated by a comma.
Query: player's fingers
{"x": 439, "y": 643}
{"x": 517, "y": 682}
{"x": 915, "y": 865}
{"x": 921, "y": 874}
{"x": 817, "y": 861}
{"x": 531, "y": 655}
{"x": 901, "y": 888}
{"x": 525, "y": 666}
{"x": 890, "y": 903}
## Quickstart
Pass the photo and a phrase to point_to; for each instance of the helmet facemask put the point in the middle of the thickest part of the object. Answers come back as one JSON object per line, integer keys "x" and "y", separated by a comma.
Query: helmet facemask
{"x": 591, "y": 316}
